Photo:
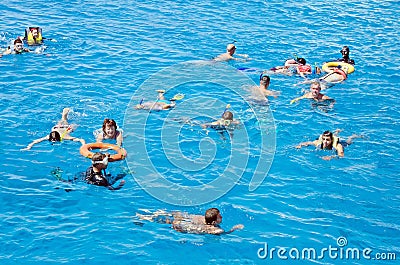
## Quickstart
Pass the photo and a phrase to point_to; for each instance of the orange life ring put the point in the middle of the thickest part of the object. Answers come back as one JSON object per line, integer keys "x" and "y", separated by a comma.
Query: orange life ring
{"x": 85, "y": 150}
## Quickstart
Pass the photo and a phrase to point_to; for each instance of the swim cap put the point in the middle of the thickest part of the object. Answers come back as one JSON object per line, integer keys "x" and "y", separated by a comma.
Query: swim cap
{"x": 230, "y": 46}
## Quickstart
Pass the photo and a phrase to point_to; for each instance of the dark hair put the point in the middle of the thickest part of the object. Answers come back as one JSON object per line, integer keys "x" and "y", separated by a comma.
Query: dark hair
{"x": 211, "y": 216}
{"x": 18, "y": 40}
{"x": 54, "y": 136}
{"x": 98, "y": 157}
{"x": 301, "y": 60}
{"x": 227, "y": 115}
{"x": 345, "y": 48}
{"x": 264, "y": 75}
{"x": 328, "y": 133}
{"x": 109, "y": 122}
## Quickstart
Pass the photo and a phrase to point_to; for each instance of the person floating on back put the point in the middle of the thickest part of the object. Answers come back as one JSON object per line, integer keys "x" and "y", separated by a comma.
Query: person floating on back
{"x": 160, "y": 104}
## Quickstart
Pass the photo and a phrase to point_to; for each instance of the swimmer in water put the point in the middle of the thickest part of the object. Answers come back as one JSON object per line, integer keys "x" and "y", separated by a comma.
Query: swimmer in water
{"x": 314, "y": 93}
{"x": 18, "y": 48}
{"x": 96, "y": 173}
{"x": 160, "y": 104}
{"x": 345, "y": 56}
{"x": 264, "y": 84}
{"x": 194, "y": 224}
{"x": 225, "y": 123}
{"x": 230, "y": 51}
{"x": 110, "y": 131}
{"x": 330, "y": 141}
{"x": 59, "y": 132}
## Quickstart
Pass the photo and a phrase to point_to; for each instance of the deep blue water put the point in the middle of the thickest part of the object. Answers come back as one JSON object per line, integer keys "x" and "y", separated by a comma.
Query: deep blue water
{"x": 109, "y": 55}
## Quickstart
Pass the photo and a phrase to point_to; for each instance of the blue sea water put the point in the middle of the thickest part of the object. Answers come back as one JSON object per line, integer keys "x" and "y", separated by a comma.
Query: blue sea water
{"x": 103, "y": 54}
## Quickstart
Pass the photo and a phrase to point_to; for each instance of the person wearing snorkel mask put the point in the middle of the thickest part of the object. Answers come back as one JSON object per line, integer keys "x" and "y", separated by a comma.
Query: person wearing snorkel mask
{"x": 264, "y": 84}
{"x": 59, "y": 132}
{"x": 18, "y": 48}
{"x": 96, "y": 173}
{"x": 225, "y": 123}
{"x": 345, "y": 56}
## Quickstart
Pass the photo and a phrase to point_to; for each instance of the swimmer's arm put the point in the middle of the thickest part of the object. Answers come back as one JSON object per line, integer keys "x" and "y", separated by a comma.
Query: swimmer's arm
{"x": 99, "y": 137}
{"x": 271, "y": 93}
{"x": 219, "y": 231}
{"x": 244, "y": 56}
{"x": 119, "y": 138}
{"x": 8, "y": 51}
{"x": 35, "y": 142}
{"x": 121, "y": 184}
{"x": 297, "y": 99}
{"x": 67, "y": 137}
{"x": 305, "y": 144}
{"x": 340, "y": 153}
{"x": 206, "y": 125}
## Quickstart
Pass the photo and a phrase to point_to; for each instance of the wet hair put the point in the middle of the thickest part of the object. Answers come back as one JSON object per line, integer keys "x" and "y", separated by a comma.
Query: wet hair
{"x": 345, "y": 48}
{"x": 227, "y": 115}
{"x": 98, "y": 157}
{"x": 316, "y": 84}
{"x": 301, "y": 61}
{"x": 109, "y": 122}
{"x": 264, "y": 75}
{"x": 211, "y": 216}
{"x": 328, "y": 133}
{"x": 54, "y": 136}
{"x": 18, "y": 40}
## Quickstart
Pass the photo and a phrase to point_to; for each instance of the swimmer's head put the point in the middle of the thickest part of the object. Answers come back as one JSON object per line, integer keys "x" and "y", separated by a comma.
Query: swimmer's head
{"x": 327, "y": 140}
{"x": 231, "y": 48}
{"x": 227, "y": 115}
{"x": 213, "y": 216}
{"x": 301, "y": 61}
{"x": 35, "y": 32}
{"x": 54, "y": 136}
{"x": 345, "y": 50}
{"x": 100, "y": 158}
{"x": 265, "y": 80}
{"x": 109, "y": 127}
{"x": 18, "y": 45}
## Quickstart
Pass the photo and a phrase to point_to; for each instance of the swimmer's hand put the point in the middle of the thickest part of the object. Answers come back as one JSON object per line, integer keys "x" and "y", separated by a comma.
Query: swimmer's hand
{"x": 238, "y": 227}
{"x": 139, "y": 106}
{"x": 294, "y": 100}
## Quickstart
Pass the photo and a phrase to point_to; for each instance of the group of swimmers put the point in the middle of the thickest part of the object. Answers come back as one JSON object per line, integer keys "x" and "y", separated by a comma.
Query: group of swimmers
{"x": 209, "y": 223}
{"x": 327, "y": 140}
{"x": 33, "y": 37}
{"x": 95, "y": 174}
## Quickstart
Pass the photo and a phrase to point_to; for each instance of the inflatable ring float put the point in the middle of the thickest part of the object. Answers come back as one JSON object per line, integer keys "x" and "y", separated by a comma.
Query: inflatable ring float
{"x": 328, "y": 67}
{"x": 86, "y": 149}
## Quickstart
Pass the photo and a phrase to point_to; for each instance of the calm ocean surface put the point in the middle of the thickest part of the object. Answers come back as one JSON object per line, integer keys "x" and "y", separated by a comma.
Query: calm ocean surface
{"x": 105, "y": 51}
